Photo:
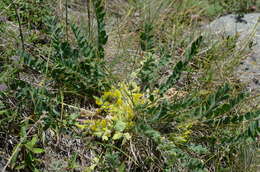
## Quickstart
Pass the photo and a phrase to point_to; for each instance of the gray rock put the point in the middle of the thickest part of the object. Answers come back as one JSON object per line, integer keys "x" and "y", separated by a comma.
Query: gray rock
{"x": 245, "y": 26}
{"x": 232, "y": 24}
{"x": 3, "y": 87}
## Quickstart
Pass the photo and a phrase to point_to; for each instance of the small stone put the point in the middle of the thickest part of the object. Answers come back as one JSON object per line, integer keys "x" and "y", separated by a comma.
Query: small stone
{"x": 3, "y": 87}
{"x": 3, "y": 19}
{"x": 15, "y": 58}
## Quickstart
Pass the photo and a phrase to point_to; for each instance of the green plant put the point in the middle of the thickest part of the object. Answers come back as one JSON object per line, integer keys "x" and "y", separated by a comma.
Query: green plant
{"x": 68, "y": 65}
{"x": 118, "y": 104}
{"x": 190, "y": 113}
{"x": 78, "y": 70}
{"x": 100, "y": 16}
{"x": 31, "y": 12}
{"x": 149, "y": 71}
{"x": 67, "y": 71}
{"x": 147, "y": 43}
{"x": 25, "y": 150}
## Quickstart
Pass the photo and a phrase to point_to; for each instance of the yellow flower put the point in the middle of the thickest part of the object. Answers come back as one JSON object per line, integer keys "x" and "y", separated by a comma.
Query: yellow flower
{"x": 118, "y": 105}
{"x": 82, "y": 127}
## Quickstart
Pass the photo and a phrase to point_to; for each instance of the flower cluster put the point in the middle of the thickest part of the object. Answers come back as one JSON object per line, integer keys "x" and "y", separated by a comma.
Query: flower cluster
{"x": 117, "y": 107}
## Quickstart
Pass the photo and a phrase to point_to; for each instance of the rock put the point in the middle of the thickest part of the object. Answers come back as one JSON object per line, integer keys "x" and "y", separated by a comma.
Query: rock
{"x": 3, "y": 87}
{"x": 243, "y": 25}
{"x": 3, "y": 19}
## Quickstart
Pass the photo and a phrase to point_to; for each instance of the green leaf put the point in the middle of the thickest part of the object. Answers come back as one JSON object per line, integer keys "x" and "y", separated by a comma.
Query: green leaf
{"x": 146, "y": 37}
{"x": 32, "y": 142}
{"x": 2, "y": 112}
{"x": 29, "y": 145}
{"x": 127, "y": 136}
{"x": 120, "y": 126}
{"x": 117, "y": 136}
{"x": 122, "y": 168}
{"x": 37, "y": 150}
{"x": 194, "y": 47}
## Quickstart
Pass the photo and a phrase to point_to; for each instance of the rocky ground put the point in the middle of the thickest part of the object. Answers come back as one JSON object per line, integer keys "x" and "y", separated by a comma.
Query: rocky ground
{"x": 247, "y": 27}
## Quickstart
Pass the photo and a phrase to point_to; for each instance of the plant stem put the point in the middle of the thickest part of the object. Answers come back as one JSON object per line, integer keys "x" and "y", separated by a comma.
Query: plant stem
{"x": 20, "y": 26}
{"x": 89, "y": 18}
{"x": 66, "y": 11}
